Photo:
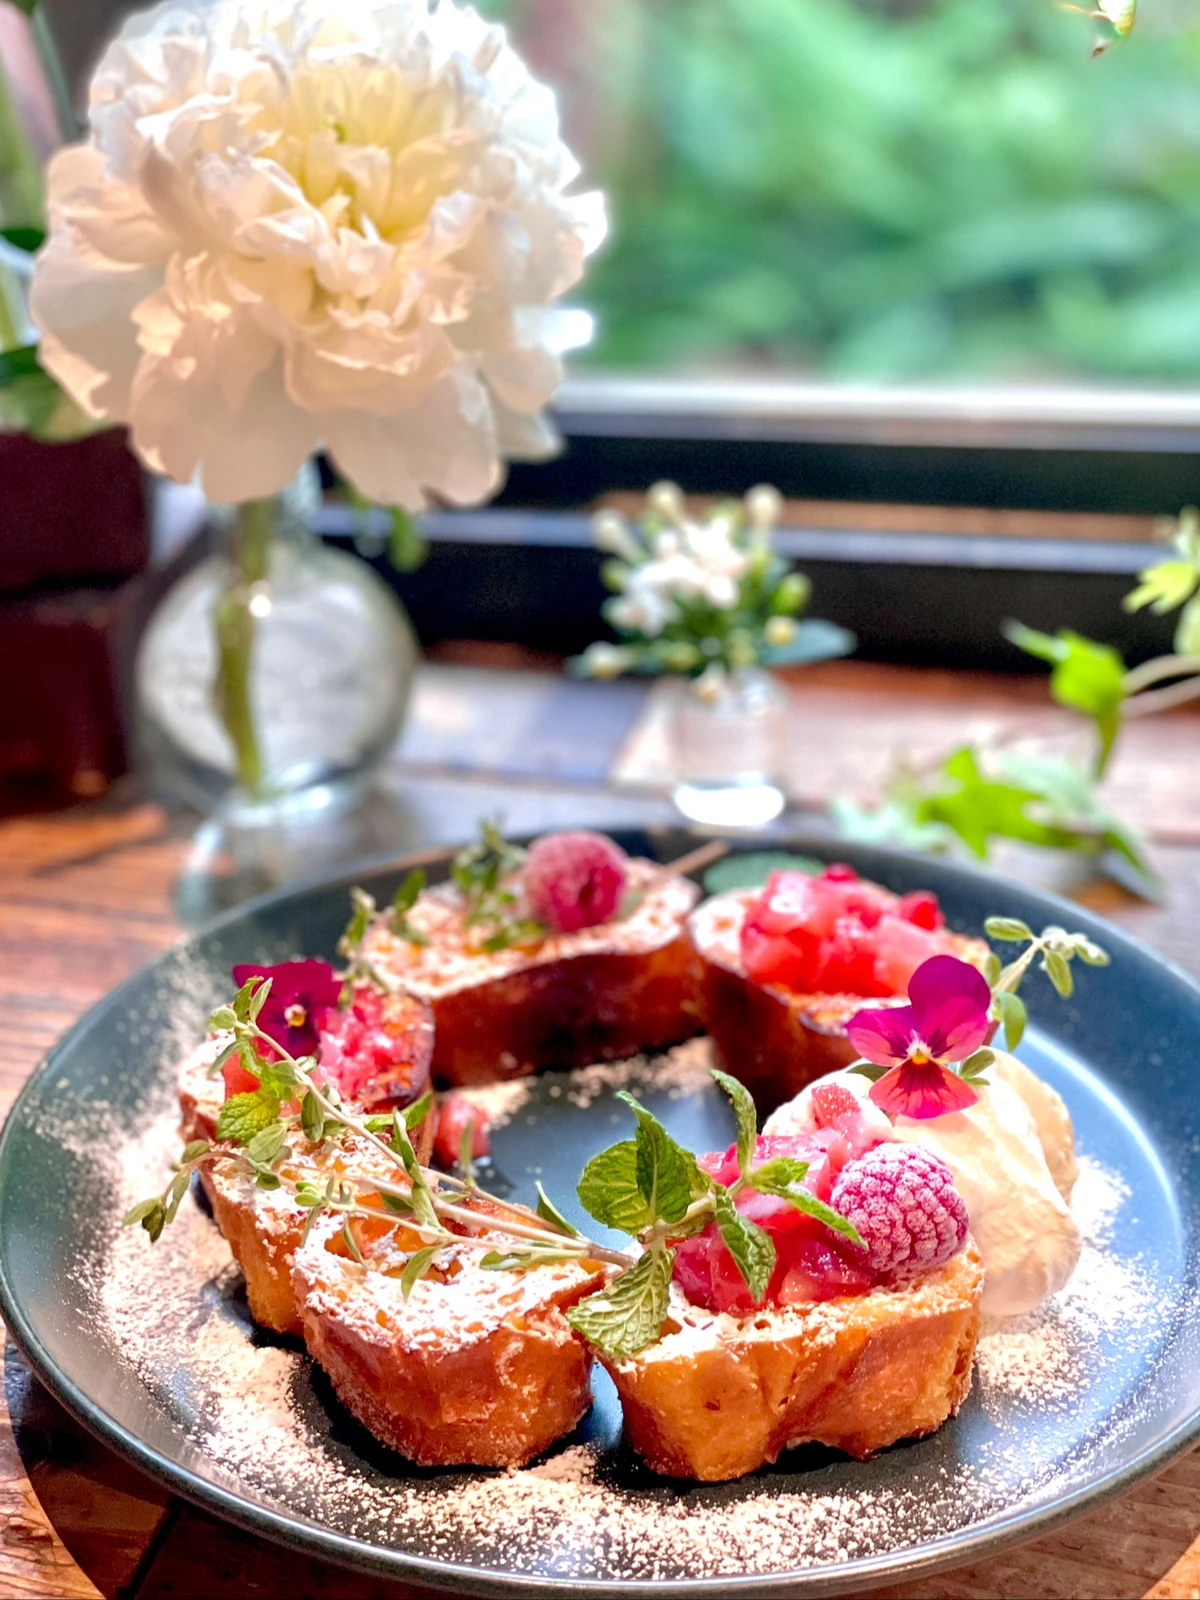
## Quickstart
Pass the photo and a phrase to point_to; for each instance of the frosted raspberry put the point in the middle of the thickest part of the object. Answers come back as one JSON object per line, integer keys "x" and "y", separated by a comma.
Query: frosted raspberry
{"x": 574, "y": 880}
{"x": 903, "y": 1202}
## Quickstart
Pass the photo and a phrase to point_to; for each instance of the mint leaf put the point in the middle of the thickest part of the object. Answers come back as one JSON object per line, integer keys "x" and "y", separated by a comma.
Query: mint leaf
{"x": 549, "y": 1212}
{"x": 1010, "y": 1009}
{"x": 774, "y": 1177}
{"x": 747, "y": 1118}
{"x": 608, "y": 1189}
{"x": 280, "y": 1077}
{"x": 628, "y": 1314}
{"x": 752, "y": 870}
{"x": 751, "y": 1247}
{"x": 418, "y": 1265}
{"x": 244, "y": 1115}
{"x": 667, "y": 1175}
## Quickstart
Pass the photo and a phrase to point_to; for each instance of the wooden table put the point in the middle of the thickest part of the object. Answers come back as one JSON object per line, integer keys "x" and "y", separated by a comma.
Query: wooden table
{"x": 87, "y": 895}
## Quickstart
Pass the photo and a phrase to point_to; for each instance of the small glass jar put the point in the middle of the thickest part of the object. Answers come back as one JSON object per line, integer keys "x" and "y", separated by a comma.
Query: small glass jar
{"x": 274, "y": 676}
{"x": 727, "y": 731}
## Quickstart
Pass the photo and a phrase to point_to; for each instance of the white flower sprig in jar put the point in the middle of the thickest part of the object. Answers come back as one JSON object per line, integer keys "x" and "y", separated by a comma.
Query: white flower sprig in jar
{"x": 708, "y": 599}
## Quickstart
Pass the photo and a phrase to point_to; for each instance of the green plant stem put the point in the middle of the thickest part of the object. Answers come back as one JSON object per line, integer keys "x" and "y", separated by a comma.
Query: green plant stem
{"x": 1174, "y": 666}
{"x": 235, "y": 628}
{"x": 1151, "y": 701}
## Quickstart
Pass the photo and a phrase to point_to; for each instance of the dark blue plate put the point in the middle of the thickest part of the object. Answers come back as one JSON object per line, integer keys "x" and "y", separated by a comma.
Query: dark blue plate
{"x": 155, "y": 1352}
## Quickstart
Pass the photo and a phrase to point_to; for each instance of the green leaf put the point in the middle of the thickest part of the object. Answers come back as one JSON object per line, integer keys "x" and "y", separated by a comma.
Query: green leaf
{"x": 974, "y": 1066}
{"x": 895, "y": 821}
{"x": 27, "y": 239}
{"x": 1095, "y": 955}
{"x": 141, "y": 1211}
{"x": 244, "y": 1115}
{"x": 747, "y": 1118}
{"x": 407, "y": 548}
{"x": 778, "y": 1177}
{"x": 1009, "y": 929}
{"x": 813, "y": 640}
{"x": 751, "y": 871}
{"x": 608, "y": 1189}
{"x": 667, "y": 1174}
{"x": 267, "y": 1143}
{"x": 869, "y": 1069}
{"x": 751, "y": 1247}
{"x": 19, "y": 363}
{"x": 1086, "y": 676}
{"x": 418, "y": 1265}
{"x": 549, "y": 1212}
{"x": 1058, "y": 970}
{"x": 27, "y": 6}
{"x": 416, "y": 1113}
{"x": 223, "y": 1017}
{"x": 1120, "y": 13}
{"x": 406, "y": 895}
{"x": 312, "y": 1117}
{"x": 628, "y": 1314}
{"x": 194, "y": 1150}
{"x": 179, "y": 1187}
{"x": 280, "y": 1077}
{"x": 1067, "y": 799}
{"x": 1010, "y": 1009}
{"x": 1163, "y": 586}
{"x": 360, "y": 920}
{"x": 979, "y": 809}
{"x": 1187, "y": 630}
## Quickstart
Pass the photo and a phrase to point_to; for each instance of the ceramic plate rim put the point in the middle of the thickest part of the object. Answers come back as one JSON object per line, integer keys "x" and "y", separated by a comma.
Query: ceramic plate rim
{"x": 950, "y": 1550}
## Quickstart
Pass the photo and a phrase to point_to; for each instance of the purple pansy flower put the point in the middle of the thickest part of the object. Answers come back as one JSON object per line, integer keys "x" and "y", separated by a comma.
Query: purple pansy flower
{"x": 301, "y": 993}
{"x": 945, "y": 1020}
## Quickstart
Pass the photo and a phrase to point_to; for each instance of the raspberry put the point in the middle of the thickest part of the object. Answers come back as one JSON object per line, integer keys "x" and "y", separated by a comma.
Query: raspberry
{"x": 903, "y": 1202}
{"x": 574, "y": 880}
{"x": 831, "y": 1101}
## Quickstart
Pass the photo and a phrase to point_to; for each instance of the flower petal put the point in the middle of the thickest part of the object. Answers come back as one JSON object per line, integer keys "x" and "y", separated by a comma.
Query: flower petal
{"x": 922, "y": 1092}
{"x": 883, "y": 1035}
{"x": 950, "y": 1002}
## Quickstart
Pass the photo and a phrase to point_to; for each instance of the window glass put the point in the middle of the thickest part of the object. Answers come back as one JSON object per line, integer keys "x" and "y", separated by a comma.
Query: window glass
{"x": 884, "y": 189}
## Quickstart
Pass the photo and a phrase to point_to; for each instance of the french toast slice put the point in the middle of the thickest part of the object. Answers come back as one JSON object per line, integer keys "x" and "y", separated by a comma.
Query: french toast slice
{"x": 774, "y": 1040}
{"x": 263, "y": 1227}
{"x": 718, "y": 1395}
{"x": 566, "y": 1000}
{"x": 473, "y": 1368}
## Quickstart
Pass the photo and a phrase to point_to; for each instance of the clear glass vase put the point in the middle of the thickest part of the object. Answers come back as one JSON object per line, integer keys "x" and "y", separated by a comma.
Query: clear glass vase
{"x": 726, "y": 737}
{"x": 271, "y": 684}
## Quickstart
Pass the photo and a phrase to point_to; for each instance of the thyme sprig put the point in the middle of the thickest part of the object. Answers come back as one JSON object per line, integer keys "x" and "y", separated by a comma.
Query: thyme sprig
{"x": 483, "y": 872}
{"x": 261, "y": 1122}
{"x": 1057, "y": 949}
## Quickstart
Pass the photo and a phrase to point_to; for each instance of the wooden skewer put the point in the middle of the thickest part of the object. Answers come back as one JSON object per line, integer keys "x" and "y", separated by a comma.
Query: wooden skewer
{"x": 703, "y": 856}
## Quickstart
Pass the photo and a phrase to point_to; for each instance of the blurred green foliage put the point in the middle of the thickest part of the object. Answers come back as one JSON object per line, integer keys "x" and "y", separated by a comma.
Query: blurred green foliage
{"x": 889, "y": 190}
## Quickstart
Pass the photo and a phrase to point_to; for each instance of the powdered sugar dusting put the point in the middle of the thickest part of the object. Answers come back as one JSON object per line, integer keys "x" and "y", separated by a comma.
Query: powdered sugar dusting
{"x": 260, "y": 1418}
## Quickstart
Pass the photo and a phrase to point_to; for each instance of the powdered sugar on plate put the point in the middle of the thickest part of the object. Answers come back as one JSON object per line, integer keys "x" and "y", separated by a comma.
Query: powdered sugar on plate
{"x": 261, "y": 1419}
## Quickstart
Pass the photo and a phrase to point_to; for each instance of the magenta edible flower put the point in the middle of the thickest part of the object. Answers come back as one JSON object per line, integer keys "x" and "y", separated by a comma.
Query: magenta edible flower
{"x": 302, "y": 992}
{"x": 946, "y": 1020}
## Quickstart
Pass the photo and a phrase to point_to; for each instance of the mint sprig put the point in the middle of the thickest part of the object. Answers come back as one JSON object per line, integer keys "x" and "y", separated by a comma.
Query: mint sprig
{"x": 653, "y": 1189}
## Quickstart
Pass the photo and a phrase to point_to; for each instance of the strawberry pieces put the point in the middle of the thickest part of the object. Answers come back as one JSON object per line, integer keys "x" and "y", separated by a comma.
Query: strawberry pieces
{"x": 831, "y": 1101}
{"x": 455, "y": 1115}
{"x": 237, "y": 1079}
{"x": 838, "y": 934}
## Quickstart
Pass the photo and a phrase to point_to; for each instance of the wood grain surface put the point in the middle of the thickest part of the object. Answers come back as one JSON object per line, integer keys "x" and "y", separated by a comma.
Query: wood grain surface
{"x": 87, "y": 895}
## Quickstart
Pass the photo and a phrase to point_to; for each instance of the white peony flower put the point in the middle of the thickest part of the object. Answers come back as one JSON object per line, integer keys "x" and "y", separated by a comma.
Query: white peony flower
{"x": 319, "y": 222}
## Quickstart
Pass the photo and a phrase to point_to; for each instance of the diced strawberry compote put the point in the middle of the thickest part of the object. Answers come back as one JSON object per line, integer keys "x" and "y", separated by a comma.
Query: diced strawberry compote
{"x": 838, "y": 934}
{"x": 237, "y": 1079}
{"x": 811, "y": 1261}
{"x": 454, "y": 1115}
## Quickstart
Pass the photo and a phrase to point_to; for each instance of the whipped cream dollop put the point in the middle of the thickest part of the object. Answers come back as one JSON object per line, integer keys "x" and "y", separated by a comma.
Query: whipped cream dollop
{"x": 1013, "y": 1158}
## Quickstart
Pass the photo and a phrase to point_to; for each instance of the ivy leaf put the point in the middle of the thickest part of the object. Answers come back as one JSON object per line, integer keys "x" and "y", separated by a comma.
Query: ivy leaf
{"x": 751, "y": 871}
{"x": 628, "y": 1314}
{"x": 747, "y": 1119}
{"x": 244, "y": 1115}
{"x": 1163, "y": 587}
{"x": 1010, "y": 1009}
{"x": 782, "y": 1177}
{"x": 897, "y": 820}
{"x": 608, "y": 1189}
{"x": 1187, "y": 630}
{"x": 751, "y": 1247}
{"x": 418, "y": 1265}
{"x": 667, "y": 1175}
{"x": 1069, "y": 802}
{"x": 1085, "y": 676}
{"x": 979, "y": 809}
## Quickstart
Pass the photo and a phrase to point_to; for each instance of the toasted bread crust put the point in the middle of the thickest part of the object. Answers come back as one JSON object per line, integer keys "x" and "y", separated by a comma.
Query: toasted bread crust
{"x": 721, "y": 1396}
{"x": 774, "y": 1041}
{"x": 567, "y": 1001}
{"x": 480, "y": 1369}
